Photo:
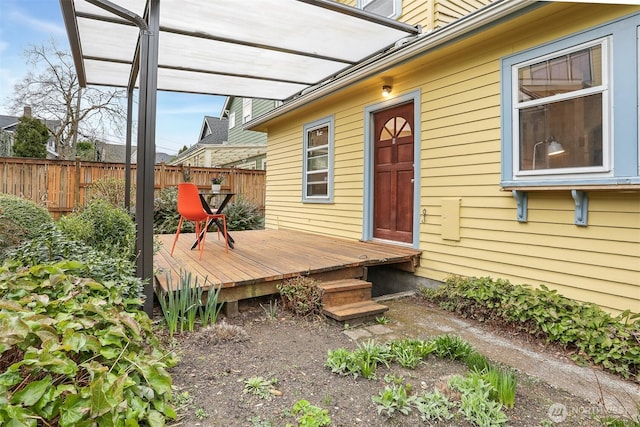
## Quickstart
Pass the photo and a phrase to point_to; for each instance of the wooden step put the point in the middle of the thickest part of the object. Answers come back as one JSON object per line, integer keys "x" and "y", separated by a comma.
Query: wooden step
{"x": 340, "y": 292}
{"x": 357, "y": 311}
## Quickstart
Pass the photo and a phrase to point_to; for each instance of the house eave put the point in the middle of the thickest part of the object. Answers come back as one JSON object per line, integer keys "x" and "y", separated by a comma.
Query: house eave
{"x": 421, "y": 44}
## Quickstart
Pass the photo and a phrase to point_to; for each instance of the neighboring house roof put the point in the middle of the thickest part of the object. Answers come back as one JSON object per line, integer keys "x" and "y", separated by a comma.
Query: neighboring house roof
{"x": 214, "y": 130}
{"x": 8, "y": 123}
{"x": 403, "y": 51}
{"x": 160, "y": 157}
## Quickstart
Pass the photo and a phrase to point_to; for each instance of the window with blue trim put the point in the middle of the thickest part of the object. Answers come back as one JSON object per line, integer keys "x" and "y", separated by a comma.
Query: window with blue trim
{"x": 318, "y": 161}
{"x": 389, "y": 8}
{"x": 570, "y": 110}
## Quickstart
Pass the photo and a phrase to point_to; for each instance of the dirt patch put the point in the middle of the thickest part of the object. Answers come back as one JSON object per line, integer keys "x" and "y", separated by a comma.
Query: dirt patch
{"x": 293, "y": 353}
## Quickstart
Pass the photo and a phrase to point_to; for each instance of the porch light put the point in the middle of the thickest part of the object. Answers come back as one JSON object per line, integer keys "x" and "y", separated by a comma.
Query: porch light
{"x": 552, "y": 146}
{"x": 386, "y": 90}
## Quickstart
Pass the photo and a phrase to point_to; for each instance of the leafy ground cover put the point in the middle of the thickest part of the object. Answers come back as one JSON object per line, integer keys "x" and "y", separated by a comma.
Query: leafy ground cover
{"x": 591, "y": 334}
{"x": 73, "y": 352}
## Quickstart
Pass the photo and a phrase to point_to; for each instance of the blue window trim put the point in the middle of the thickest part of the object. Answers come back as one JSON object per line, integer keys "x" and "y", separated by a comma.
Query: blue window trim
{"x": 397, "y": 8}
{"x": 623, "y": 80}
{"x": 330, "y": 122}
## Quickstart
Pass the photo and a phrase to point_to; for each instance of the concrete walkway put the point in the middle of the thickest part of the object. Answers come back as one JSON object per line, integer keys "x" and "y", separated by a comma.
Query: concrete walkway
{"x": 417, "y": 321}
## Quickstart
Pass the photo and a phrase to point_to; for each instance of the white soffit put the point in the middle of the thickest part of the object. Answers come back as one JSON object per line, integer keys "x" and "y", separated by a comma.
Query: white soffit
{"x": 252, "y": 48}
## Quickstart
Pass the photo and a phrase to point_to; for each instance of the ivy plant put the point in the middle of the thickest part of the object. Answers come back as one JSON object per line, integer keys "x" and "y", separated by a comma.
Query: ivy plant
{"x": 72, "y": 354}
{"x": 594, "y": 335}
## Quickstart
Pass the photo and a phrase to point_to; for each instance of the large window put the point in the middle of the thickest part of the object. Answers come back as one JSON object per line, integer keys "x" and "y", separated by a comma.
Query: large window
{"x": 560, "y": 111}
{"x": 388, "y": 8}
{"x": 318, "y": 161}
{"x": 570, "y": 110}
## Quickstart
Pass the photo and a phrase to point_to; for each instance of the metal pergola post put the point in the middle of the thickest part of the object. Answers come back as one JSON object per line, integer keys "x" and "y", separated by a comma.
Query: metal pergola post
{"x": 127, "y": 152}
{"x": 147, "y": 57}
{"x": 145, "y": 173}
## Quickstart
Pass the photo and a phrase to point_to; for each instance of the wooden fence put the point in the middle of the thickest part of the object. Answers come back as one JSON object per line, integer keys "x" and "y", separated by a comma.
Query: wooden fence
{"x": 61, "y": 185}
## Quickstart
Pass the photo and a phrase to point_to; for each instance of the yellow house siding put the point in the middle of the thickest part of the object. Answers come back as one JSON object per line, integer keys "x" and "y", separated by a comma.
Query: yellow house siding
{"x": 447, "y": 11}
{"x": 460, "y": 157}
{"x": 431, "y": 14}
{"x": 461, "y": 118}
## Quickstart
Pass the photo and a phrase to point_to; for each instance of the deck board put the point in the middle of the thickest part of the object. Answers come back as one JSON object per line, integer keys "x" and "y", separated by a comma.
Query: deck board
{"x": 264, "y": 257}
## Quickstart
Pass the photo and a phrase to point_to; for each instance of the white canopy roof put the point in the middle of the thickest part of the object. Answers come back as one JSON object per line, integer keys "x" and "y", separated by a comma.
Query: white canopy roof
{"x": 251, "y": 48}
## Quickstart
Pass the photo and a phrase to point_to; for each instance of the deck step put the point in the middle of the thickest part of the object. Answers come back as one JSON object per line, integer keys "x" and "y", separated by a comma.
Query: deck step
{"x": 340, "y": 292}
{"x": 358, "y": 311}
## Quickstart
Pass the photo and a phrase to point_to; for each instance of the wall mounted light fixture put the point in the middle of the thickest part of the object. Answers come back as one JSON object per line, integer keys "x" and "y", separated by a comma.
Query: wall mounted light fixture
{"x": 386, "y": 90}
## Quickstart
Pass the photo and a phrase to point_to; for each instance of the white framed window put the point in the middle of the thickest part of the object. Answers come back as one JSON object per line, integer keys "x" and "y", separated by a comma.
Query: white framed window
{"x": 247, "y": 107}
{"x": 318, "y": 161}
{"x": 232, "y": 120}
{"x": 567, "y": 115}
{"x": 561, "y": 110}
{"x": 389, "y": 8}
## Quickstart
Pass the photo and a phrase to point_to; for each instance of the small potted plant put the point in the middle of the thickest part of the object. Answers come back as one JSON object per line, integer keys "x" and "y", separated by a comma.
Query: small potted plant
{"x": 216, "y": 182}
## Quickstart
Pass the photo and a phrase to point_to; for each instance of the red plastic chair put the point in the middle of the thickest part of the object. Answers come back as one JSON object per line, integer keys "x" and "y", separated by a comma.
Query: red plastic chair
{"x": 190, "y": 208}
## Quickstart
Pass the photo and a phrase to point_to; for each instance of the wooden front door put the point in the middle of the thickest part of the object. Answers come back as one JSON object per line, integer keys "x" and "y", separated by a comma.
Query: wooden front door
{"x": 393, "y": 174}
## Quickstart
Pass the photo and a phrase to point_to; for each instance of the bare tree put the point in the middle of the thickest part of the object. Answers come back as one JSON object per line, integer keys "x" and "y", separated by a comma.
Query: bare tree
{"x": 54, "y": 94}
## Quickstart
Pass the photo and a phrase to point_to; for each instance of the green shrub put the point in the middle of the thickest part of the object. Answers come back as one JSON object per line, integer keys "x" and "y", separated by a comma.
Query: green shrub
{"x": 103, "y": 226}
{"x": 74, "y": 355}
{"x": 243, "y": 215}
{"x": 165, "y": 213}
{"x": 20, "y": 219}
{"x": 26, "y": 214}
{"x": 11, "y": 234}
{"x": 51, "y": 246}
{"x": 594, "y": 335}
{"x": 110, "y": 190}
{"x": 302, "y": 296}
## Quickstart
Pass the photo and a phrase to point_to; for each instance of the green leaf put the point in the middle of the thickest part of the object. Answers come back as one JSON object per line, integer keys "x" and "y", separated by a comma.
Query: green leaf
{"x": 13, "y": 422}
{"x": 73, "y": 410}
{"x": 10, "y": 377}
{"x": 157, "y": 378}
{"x": 13, "y": 329}
{"x": 155, "y": 419}
{"x": 110, "y": 353}
{"x": 99, "y": 402}
{"x": 29, "y": 395}
{"x": 78, "y": 342}
{"x": 56, "y": 362}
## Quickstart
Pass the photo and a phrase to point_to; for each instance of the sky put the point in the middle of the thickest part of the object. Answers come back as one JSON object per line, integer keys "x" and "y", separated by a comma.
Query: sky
{"x": 24, "y": 23}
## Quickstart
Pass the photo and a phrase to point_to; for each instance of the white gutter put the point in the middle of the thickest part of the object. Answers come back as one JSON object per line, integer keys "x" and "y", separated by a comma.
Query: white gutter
{"x": 421, "y": 44}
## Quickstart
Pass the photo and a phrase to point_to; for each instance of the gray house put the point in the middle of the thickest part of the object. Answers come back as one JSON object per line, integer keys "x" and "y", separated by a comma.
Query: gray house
{"x": 210, "y": 149}
{"x": 223, "y": 142}
{"x": 8, "y": 126}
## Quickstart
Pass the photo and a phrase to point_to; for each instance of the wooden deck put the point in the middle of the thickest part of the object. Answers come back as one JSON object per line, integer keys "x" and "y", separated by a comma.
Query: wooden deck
{"x": 263, "y": 258}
